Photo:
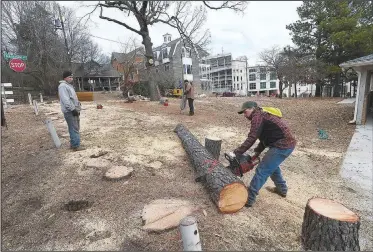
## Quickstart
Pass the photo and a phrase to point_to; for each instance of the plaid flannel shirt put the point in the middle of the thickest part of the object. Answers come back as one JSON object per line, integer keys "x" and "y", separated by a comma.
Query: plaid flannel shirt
{"x": 271, "y": 130}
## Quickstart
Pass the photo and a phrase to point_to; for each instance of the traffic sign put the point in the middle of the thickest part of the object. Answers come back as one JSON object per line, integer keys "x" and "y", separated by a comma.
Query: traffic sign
{"x": 17, "y": 65}
{"x": 13, "y": 56}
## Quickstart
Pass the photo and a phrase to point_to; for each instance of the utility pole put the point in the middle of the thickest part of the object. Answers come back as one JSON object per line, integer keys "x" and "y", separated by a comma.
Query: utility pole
{"x": 64, "y": 35}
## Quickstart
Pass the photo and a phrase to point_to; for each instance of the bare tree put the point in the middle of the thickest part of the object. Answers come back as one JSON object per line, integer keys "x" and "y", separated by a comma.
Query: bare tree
{"x": 130, "y": 62}
{"x": 28, "y": 28}
{"x": 180, "y": 15}
{"x": 274, "y": 60}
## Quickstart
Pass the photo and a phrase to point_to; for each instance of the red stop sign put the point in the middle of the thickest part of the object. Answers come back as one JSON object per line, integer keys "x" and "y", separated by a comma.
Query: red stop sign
{"x": 17, "y": 65}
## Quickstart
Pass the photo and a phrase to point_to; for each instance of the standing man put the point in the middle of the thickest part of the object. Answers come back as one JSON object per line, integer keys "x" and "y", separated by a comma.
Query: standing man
{"x": 189, "y": 91}
{"x": 70, "y": 107}
{"x": 271, "y": 130}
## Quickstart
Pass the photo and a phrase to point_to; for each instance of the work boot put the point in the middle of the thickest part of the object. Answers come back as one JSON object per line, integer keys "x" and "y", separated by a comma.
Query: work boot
{"x": 79, "y": 148}
{"x": 249, "y": 204}
{"x": 191, "y": 113}
{"x": 277, "y": 191}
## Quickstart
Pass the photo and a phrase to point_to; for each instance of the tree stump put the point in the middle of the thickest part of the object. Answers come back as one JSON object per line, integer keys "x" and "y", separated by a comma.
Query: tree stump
{"x": 213, "y": 145}
{"x": 329, "y": 226}
{"x": 227, "y": 191}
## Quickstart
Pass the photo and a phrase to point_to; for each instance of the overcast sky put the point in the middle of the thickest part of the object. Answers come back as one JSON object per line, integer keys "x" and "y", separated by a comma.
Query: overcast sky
{"x": 262, "y": 26}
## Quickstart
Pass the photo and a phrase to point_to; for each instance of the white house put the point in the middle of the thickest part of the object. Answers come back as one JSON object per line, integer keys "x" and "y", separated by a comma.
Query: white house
{"x": 303, "y": 90}
{"x": 364, "y": 68}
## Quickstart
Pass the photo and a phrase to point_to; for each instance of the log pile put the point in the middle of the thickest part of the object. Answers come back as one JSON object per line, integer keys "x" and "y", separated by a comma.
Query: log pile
{"x": 226, "y": 190}
{"x": 329, "y": 226}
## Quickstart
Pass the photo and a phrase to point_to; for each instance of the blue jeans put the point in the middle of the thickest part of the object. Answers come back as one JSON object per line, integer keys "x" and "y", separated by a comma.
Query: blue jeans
{"x": 73, "y": 123}
{"x": 269, "y": 167}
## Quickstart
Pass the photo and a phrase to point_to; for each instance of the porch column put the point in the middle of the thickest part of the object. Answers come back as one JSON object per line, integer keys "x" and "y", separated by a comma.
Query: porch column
{"x": 109, "y": 85}
{"x": 360, "y": 94}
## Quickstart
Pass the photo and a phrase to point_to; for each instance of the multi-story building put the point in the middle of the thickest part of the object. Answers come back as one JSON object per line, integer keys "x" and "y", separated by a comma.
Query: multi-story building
{"x": 177, "y": 61}
{"x": 262, "y": 81}
{"x": 220, "y": 73}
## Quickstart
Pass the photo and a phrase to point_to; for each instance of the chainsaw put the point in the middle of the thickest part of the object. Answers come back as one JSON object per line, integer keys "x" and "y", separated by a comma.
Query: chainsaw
{"x": 240, "y": 164}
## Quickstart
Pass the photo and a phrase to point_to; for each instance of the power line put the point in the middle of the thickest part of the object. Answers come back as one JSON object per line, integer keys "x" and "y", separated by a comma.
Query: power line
{"x": 108, "y": 39}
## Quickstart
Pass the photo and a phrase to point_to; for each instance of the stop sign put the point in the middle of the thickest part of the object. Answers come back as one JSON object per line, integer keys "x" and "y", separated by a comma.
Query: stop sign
{"x": 17, "y": 65}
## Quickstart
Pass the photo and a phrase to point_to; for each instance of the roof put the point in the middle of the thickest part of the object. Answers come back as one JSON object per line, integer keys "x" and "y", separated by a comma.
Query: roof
{"x": 121, "y": 57}
{"x": 96, "y": 70}
{"x": 171, "y": 44}
{"x": 362, "y": 61}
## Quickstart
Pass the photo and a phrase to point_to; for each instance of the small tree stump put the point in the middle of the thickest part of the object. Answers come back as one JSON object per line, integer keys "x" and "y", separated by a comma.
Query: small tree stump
{"x": 213, "y": 145}
{"x": 329, "y": 226}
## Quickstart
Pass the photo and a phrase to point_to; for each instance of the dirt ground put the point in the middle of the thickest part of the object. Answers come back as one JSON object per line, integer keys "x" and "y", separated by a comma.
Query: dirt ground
{"x": 38, "y": 179}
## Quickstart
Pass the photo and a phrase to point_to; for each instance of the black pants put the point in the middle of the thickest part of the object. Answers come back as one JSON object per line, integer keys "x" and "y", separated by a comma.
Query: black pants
{"x": 191, "y": 106}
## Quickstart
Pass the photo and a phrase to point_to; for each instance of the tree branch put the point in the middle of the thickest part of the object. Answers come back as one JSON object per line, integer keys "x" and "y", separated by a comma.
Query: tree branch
{"x": 238, "y": 6}
{"x": 120, "y": 23}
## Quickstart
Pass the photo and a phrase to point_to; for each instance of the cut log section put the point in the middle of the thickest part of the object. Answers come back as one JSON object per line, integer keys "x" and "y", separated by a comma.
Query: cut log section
{"x": 227, "y": 191}
{"x": 329, "y": 226}
{"x": 213, "y": 145}
{"x": 164, "y": 214}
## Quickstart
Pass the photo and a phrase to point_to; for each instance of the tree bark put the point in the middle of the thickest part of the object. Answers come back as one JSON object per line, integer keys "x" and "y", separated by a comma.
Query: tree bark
{"x": 280, "y": 88}
{"x": 318, "y": 88}
{"x": 329, "y": 226}
{"x": 213, "y": 145}
{"x": 153, "y": 88}
{"x": 226, "y": 190}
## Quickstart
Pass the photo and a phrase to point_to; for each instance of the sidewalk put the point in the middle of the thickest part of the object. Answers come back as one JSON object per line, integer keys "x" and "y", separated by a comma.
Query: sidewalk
{"x": 357, "y": 164}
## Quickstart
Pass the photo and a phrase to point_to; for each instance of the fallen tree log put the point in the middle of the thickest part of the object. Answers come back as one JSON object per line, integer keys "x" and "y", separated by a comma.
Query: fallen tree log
{"x": 226, "y": 190}
{"x": 329, "y": 226}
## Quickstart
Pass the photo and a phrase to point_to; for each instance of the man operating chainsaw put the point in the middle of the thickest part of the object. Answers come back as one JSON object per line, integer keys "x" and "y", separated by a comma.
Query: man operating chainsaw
{"x": 271, "y": 130}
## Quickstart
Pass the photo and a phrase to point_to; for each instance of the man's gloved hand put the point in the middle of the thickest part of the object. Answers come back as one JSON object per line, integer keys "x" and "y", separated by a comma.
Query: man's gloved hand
{"x": 232, "y": 154}
{"x": 75, "y": 112}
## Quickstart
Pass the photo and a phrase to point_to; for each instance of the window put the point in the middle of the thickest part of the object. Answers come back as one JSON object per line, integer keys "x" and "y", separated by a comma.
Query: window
{"x": 167, "y": 67}
{"x": 273, "y": 76}
{"x": 155, "y": 55}
{"x": 272, "y": 84}
{"x": 187, "y": 69}
{"x": 164, "y": 53}
{"x": 252, "y": 77}
{"x": 241, "y": 78}
{"x": 253, "y": 85}
{"x": 240, "y": 71}
{"x": 263, "y": 76}
{"x": 263, "y": 85}
{"x": 253, "y": 70}
{"x": 169, "y": 38}
{"x": 165, "y": 39}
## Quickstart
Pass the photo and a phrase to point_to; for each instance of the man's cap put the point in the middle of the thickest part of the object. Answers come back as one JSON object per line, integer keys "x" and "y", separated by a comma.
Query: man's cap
{"x": 66, "y": 74}
{"x": 247, "y": 105}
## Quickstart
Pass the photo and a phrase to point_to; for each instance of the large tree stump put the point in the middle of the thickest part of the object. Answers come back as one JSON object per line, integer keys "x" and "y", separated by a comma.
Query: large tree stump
{"x": 329, "y": 226}
{"x": 226, "y": 190}
{"x": 213, "y": 145}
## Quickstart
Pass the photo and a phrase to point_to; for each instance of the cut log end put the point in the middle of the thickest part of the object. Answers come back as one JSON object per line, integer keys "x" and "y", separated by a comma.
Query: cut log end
{"x": 213, "y": 138}
{"x": 232, "y": 198}
{"x": 332, "y": 210}
{"x": 329, "y": 226}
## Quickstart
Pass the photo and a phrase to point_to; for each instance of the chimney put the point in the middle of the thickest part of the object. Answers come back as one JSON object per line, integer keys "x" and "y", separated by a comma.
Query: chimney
{"x": 166, "y": 38}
